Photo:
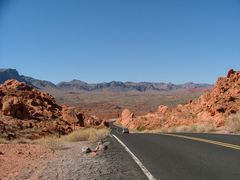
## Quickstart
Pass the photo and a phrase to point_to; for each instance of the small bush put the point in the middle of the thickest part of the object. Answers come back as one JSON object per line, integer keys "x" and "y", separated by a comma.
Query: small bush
{"x": 88, "y": 134}
{"x": 233, "y": 123}
{"x": 52, "y": 142}
{"x": 172, "y": 130}
{"x": 141, "y": 129}
{"x": 3, "y": 141}
{"x": 22, "y": 141}
{"x": 184, "y": 128}
{"x": 204, "y": 127}
{"x": 196, "y": 128}
{"x": 155, "y": 131}
{"x": 16, "y": 141}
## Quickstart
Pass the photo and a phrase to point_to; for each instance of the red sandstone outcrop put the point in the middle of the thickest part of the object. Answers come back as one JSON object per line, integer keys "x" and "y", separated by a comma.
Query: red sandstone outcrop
{"x": 216, "y": 106}
{"x": 127, "y": 117}
{"x": 22, "y": 107}
{"x": 24, "y": 102}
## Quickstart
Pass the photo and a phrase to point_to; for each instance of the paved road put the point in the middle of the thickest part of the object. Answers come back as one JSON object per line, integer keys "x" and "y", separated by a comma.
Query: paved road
{"x": 176, "y": 158}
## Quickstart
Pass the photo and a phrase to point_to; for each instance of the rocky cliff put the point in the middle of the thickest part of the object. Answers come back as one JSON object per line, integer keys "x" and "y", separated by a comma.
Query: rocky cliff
{"x": 215, "y": 106}
{"x": 24, "y": 107}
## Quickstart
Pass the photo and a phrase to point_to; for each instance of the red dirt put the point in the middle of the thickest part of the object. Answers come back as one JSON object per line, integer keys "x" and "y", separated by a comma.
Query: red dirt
{"x": 15, "y": 158}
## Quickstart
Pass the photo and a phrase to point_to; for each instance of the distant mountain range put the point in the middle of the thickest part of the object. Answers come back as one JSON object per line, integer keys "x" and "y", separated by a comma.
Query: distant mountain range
{"x": 114, "y": 86}
{"x": 6, "y": 74}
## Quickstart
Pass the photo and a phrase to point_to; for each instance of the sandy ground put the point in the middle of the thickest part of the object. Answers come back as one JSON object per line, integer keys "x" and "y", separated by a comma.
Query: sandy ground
{"x": 15, "y": 157}
{"x": 35, "y": 162}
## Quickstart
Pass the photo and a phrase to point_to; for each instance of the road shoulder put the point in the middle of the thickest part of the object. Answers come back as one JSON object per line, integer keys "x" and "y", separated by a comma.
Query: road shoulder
{"x": 113, "y": 163}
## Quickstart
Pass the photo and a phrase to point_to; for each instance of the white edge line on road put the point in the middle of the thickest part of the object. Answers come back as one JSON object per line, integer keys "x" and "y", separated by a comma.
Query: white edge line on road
{"x": 142, "y": 167}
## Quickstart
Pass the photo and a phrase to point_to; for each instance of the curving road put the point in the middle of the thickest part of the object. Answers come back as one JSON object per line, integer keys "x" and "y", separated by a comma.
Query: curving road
{"x": 200, "y": 157}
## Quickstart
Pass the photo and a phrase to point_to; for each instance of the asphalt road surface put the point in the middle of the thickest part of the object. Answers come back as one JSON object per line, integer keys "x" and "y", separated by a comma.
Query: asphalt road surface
{"x": 179, "y": 158}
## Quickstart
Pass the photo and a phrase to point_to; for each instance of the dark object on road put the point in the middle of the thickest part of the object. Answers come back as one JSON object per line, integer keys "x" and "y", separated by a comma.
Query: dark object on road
{"x": 125, "y": 131}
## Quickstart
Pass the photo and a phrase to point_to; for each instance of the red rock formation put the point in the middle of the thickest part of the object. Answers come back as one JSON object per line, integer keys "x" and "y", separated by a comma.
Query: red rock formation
{"x": 33, "y": 109}
{"x": 230, "y": 72}
{"x": 127, "y": 117}
{"x": 213, "y": 106}
{"x": 24, "y": 102}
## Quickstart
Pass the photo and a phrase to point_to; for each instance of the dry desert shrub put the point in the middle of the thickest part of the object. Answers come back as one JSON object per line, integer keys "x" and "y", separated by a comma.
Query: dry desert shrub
{"x": 87, "y": 134}
{"x": 52, "y": 142}
{"x": 16, "y": 141}
{"x": 204, "y": 127}
{"x": 3, "y": 141}
{"x": 155, "y": 131}
{"x": 57, "y": 143}
{"x": 184, "y": 128}
{"x": 22, "y": 141}
{"x": 196, "y": 128}
{"x": 233, "y": 123}
{"x": 171, "y": 130}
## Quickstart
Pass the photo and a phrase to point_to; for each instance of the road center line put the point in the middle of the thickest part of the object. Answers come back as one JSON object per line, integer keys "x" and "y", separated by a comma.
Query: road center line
{"x": 139, "y": 163}
{"x": 233, "y": 146}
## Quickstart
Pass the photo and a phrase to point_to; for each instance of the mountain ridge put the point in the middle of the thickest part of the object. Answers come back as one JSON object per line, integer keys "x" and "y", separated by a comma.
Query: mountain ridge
{"x": 113, "y": 86}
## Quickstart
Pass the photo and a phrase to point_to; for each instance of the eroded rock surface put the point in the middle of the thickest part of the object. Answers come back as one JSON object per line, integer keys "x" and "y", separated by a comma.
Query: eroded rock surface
{"x": 25, "y": 110}
{"x": 215, "y": 106}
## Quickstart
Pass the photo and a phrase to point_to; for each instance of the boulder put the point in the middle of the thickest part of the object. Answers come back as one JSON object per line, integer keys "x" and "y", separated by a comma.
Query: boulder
{"x": 162, "y": 109}
{"x": 126, "y": 117}
{"x": 127, "y": 114}
{"x": 86, "y": 150}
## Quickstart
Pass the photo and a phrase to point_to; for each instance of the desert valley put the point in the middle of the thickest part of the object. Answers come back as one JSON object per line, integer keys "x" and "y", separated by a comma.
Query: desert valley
{"x": 119, "y": 90}
{"x": 33, "y": 121}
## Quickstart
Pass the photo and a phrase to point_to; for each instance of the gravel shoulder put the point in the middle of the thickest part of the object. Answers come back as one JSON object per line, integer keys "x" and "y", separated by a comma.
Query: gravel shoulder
{"x": 72, "y": 164}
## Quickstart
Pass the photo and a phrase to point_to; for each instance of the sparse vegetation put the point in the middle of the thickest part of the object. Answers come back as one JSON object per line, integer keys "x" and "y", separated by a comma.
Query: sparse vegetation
{"x": 233, "y": 123}
{"x": 195, "y": 128}
{"x": 204, "y": 127}
{"x": 155, "y": 131}
{"x": 56, "y": 143}
{"x": 184, "y": 128}
{"x": 3, "y": 141}
{"x": 52, "y": 142}
{"x": 141, "y": 129}
{"x": 87, "y": 134}
{"x": 16, "y": 141}
{"x": 22, "y": 141}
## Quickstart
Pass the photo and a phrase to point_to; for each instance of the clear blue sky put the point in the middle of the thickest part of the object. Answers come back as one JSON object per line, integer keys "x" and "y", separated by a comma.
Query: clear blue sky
{"x": 129, "y": 40}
